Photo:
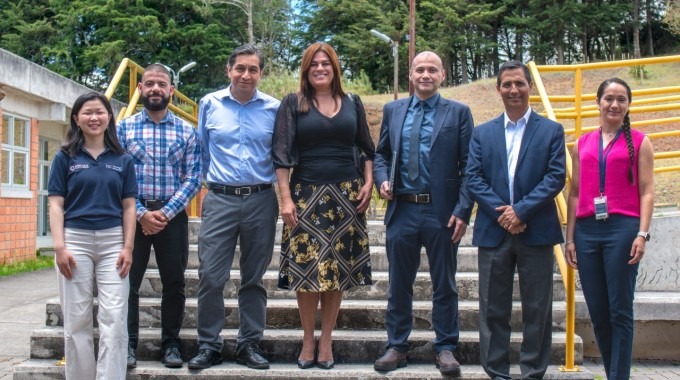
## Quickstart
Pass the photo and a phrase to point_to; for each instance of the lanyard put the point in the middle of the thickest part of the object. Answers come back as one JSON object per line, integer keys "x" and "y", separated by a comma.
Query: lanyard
{"x": 602, "y": 157}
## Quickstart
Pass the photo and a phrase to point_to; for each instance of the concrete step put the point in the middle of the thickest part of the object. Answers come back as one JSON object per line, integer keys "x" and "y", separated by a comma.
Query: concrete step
{"x": 376, "y": 232}
{"x": 467, "y": 282}
{"x": 283, "y": 345}
{"x": 467, "y": 259}
{"x": 35, "y": 369}
{"x": 354, "y": 314}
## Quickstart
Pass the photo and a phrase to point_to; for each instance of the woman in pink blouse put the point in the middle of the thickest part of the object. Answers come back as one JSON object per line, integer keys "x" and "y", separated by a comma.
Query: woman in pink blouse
{"x": 609, "y": 213}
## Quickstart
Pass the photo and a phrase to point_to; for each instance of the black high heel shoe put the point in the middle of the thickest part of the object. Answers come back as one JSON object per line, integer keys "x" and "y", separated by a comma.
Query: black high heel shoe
{"x": 305, "y": 364}
{"x": 324, "y": 364}
{"x": 329, "y": 364}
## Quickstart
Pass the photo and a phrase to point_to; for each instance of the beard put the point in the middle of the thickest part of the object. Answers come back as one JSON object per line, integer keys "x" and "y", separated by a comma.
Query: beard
{"x": 155, "y": 105}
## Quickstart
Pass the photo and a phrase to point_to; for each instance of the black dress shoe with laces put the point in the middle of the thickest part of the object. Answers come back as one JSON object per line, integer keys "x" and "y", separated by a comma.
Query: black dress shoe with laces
{"x": 132, "y": 358}
{"x": 250, "y": 355}
{"x": 205, "y": 359}
{"x": 172, "y": 358}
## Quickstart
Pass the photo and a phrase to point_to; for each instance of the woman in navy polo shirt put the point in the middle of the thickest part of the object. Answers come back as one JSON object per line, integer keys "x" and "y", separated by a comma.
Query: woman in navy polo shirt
{"x": 92, "y": 190}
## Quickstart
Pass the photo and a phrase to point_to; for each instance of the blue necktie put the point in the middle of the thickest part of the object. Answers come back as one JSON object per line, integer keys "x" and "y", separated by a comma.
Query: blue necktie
{"x": 414, "y": 142}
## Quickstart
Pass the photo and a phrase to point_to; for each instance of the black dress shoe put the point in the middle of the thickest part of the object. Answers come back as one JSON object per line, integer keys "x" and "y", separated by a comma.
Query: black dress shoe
{"x": 250, "y": 355}
{"x": 205, "y": 359}
{"x": 132, "y": 358}
{"x": 172, "y": 358}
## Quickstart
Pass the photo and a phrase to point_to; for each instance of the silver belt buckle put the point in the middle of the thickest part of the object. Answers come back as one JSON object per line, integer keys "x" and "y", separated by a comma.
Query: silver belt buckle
{"x": 423, "y": 198}
{"x": 240, "y": 190}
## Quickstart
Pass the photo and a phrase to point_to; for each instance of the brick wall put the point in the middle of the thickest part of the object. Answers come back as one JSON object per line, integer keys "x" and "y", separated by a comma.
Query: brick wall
{"x": 18, "y": 217}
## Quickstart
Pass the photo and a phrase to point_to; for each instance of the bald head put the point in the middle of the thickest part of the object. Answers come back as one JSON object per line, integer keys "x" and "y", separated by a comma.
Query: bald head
{"x": 427, "y": 74}
{"x": 425, "y": 54}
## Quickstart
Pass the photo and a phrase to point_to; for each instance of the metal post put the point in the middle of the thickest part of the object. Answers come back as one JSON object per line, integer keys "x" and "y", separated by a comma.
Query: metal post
{"x": 571, "y": 323}
{"x": 395, "y": 51}
{"x": 412, "y": 40}
{"x": 578, "y": 91}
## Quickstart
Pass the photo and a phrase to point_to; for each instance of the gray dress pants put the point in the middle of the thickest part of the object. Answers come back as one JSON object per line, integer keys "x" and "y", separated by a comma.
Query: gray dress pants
{"x": 251, "y": 219}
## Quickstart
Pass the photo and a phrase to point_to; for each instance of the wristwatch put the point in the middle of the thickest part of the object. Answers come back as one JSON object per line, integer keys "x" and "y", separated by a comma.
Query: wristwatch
{"x": 645, "y": 235}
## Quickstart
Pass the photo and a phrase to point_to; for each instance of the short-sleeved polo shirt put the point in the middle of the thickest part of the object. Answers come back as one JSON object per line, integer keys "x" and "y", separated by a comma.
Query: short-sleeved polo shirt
{"x": 93, "y": 189}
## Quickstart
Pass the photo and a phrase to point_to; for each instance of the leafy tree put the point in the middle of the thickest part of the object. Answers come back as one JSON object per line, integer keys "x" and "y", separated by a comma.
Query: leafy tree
{"x": 86, "y": 39}
{"x": 25, "y": 29}
{"x": 345, "y": 24}
{"x": 672, "y": 16}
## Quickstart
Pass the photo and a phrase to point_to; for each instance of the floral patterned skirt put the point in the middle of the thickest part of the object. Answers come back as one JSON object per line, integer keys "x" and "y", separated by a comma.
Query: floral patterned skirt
{"x": 328, "y": 249}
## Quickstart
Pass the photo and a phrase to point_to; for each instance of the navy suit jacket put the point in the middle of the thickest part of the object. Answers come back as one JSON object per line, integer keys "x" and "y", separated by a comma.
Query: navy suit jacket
{"x": 539, "y": 176}
{"x": 453, "y": 127}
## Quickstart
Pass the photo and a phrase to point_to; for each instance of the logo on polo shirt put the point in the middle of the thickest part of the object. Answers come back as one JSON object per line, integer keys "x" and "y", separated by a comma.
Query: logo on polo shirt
{"x": 114, "y": 167}
{"x": 77, "y": 167}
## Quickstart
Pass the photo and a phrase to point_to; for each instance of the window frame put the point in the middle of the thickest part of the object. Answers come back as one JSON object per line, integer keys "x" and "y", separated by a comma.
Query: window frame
{"x": 11, "y": 189}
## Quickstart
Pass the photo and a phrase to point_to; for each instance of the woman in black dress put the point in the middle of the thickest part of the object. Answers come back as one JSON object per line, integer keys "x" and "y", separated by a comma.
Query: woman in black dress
{"x": 325, "y": 243}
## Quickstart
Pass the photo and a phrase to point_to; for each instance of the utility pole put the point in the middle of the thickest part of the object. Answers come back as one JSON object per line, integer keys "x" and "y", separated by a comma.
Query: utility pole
{"x": 411, "y": 40}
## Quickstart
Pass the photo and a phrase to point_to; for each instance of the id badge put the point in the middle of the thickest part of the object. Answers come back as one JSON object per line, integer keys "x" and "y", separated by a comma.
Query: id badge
{"x": 601, "y": 210}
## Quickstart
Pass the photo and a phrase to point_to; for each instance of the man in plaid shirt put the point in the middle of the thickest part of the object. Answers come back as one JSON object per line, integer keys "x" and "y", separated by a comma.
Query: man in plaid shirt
{"x": 167, "y": 156}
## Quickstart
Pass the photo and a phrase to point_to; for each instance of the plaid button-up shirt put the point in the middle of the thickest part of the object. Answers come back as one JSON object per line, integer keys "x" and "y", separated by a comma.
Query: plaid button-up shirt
{"x": 167, "y": 160}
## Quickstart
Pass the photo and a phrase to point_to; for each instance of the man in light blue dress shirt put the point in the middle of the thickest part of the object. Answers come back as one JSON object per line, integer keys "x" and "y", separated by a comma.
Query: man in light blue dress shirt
{"x": 235, "y": 127}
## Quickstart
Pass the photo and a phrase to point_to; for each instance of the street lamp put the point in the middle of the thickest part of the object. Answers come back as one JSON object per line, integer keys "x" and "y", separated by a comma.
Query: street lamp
{"x": 184, "y": 68}
{"x": 395, "y": 53}
{"x": 175, "y": 75}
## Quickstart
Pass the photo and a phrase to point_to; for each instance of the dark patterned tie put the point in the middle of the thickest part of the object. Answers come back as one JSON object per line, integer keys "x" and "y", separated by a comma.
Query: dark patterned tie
{"x": 414, "y": 142}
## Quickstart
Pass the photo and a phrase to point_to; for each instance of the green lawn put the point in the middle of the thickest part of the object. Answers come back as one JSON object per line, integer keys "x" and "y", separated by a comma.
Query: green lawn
{"x": 40, "y": 262}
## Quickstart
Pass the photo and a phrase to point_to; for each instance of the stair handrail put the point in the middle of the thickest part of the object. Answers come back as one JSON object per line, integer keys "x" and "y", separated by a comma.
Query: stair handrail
{"x": 133, "y": 99}
{"x": 567, "y": 272}
{"x": 134, "y": 95}
{"x": 579, "y": 112}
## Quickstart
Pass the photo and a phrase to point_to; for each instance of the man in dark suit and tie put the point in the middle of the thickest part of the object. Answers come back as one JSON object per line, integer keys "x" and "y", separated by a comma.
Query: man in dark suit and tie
{"x": 427, "y": 138}
{"x": 515, "y": 170}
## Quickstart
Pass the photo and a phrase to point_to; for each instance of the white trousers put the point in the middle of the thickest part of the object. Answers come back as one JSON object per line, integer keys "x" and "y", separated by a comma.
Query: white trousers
{"x": 95, "y": 253}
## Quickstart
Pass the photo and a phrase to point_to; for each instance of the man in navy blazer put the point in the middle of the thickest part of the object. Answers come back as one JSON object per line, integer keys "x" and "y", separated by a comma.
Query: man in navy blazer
{"x": 515, "y": 170}
{"x": 427, "y": 138}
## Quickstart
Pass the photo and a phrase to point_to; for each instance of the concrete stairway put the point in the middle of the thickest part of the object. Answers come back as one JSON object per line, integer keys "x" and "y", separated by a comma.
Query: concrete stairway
{"x": 358, "y": 340}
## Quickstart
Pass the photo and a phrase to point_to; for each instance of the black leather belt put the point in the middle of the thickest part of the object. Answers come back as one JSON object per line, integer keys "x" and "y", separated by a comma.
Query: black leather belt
{"x": 153, "y": 204}
{"x": 415, "y": 198}
{"x": 238, "y": 190}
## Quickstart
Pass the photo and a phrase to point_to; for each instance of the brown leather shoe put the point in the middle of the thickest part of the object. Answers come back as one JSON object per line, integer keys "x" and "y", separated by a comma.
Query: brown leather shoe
{"x": 392, "y": 360}
{"x": 447, "y": 364}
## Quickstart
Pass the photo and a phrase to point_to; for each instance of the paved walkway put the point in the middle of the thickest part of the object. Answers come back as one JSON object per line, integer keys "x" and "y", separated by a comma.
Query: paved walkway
{"x": 22, "y": 309}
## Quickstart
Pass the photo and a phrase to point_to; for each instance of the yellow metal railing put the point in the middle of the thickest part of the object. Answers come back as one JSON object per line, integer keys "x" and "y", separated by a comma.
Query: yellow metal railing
{"x": 578, "y": 112}
{"x": 644, "y": 105}
{"x": 567, "y": 273}
{"x": 183, "y": 103}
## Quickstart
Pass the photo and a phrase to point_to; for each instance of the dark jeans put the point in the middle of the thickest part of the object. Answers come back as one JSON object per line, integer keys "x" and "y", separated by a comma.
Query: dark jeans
{"x": 171, "y": 247}
{"x": 608, "y": 284}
